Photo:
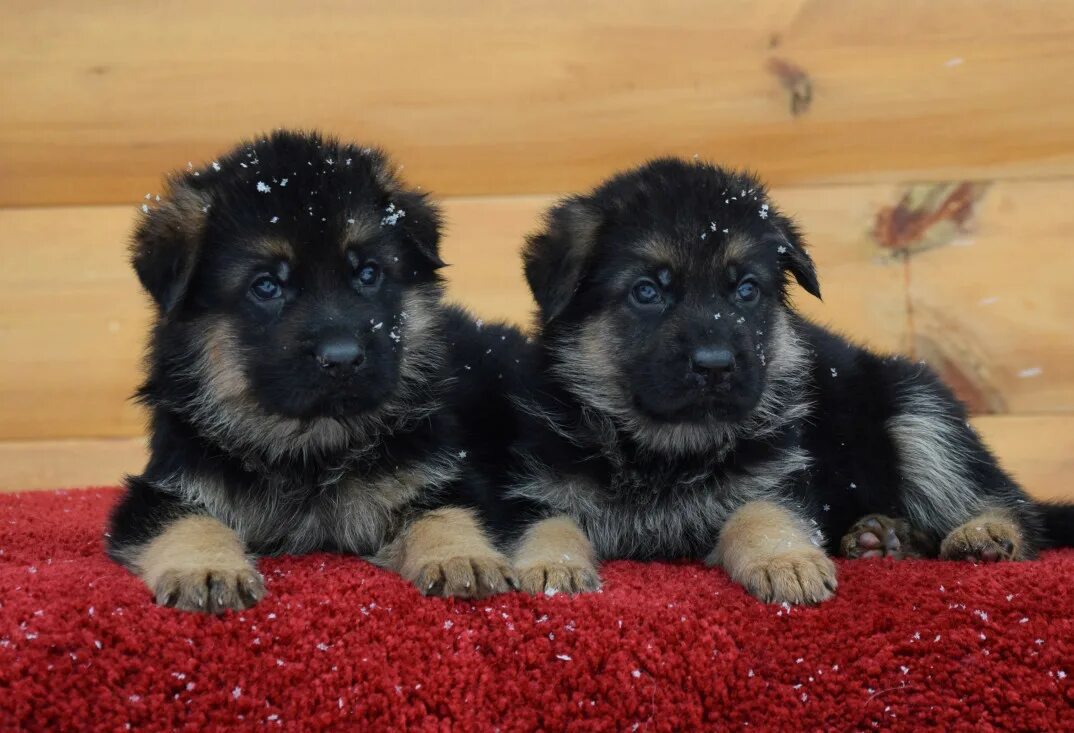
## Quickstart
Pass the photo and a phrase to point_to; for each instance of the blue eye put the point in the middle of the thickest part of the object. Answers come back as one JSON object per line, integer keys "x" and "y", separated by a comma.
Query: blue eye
{"x": 646, "y": 292}
{"x": 369, "y": 274}
{"x": 747, "y": 290}
{"x": 266, "y": 287}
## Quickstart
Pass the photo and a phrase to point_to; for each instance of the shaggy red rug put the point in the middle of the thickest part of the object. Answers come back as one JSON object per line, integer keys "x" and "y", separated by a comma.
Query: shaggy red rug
{"x": 340, "y": 644}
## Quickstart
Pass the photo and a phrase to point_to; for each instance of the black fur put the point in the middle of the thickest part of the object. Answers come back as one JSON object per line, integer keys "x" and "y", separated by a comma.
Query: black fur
{"x": 650, "y": 453}
{"x": 250, "y": 422}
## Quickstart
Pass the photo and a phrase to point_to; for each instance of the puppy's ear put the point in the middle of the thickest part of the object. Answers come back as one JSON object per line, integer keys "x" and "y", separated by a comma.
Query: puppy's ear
{"x": 795, "y": 259}
{"x": 167, "y": 243}
{"x": 413, "y": 212}
{"x": 421, "y": 223}
{"x": 557, "y": 258}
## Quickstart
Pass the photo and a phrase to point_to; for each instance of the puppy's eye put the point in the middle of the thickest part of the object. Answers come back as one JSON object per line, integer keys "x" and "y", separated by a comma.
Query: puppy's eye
{"x": 646, "y": 292}
{"x": 266, "y": 287}
{"x": 748, "y": 290}
{"x": 369, "y": 274}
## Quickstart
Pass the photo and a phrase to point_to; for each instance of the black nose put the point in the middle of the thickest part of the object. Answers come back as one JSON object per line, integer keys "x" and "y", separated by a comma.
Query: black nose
{"x": 710, "y": 359}
{"x": 338, "y": 351}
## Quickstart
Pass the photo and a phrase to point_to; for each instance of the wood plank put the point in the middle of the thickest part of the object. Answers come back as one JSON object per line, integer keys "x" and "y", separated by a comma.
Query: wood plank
{"x": 64, "y": 464}
{"x": 1038, "y": 450}
{"x": 72, "y": 320}
{"x": 98, "y": 99}
{"x": 992, "y": 300}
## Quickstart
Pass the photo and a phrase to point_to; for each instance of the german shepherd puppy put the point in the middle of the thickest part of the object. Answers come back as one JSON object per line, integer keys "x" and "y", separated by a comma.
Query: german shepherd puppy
{"x": 685, "y": 410}
{"x": 307, "y": 389}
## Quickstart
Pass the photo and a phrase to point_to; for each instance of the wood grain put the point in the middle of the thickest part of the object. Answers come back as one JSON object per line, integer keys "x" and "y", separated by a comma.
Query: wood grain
{"x": 1038, "y": 450}
{"x": 97, "y": 99}
{"x": 992, "y": 307}
{"x": 72, "y": 320}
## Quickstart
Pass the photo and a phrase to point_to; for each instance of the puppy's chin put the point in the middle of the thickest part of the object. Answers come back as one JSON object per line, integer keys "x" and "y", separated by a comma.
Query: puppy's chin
{"x": 346, "y": 399}
{"x": 696, "y": 406}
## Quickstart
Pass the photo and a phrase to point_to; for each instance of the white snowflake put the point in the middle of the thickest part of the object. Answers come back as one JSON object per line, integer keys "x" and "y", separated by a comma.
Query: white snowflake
{"x": 827, "y": 507}
{"x": 392, "y": 216}
{"x": 263, "y": 187}
{"x": 216, "y": 165}
{"x": 764, "y": 211}
{"x": 563, "y": 657}
{"x": 236, "y": 693}
{"x": 283, "y": 181}
{"x": 274, "y": 219}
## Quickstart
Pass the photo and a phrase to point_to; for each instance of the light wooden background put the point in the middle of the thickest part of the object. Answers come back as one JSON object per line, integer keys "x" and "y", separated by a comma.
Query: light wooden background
{"x": 926, "y": 147}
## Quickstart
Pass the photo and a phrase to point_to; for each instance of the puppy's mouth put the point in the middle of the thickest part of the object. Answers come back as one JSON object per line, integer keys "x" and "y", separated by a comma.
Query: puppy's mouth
{"x": 722, "y": 404}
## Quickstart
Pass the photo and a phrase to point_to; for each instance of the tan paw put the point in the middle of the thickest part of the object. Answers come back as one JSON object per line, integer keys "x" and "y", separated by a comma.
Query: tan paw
{"x": 208, "y": 589}
{"x": 559, "y": 577}
{"x": 988, "y": 538}
{"x": 805, "y": 576}
{"x": 465, "y": 577}
{"x": 877, "y": 535}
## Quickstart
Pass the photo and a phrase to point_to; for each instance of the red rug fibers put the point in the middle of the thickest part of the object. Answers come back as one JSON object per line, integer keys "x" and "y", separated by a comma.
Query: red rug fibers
{"x": 339, "y": 644}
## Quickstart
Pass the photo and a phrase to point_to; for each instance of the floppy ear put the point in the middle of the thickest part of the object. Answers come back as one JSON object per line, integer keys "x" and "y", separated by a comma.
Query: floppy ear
{"x": 420, "y": 218}
{"x": 794, "y": 258}
{"x": 421, "y": 224}
{"x": 556, "y": 259}
{"x": 167, "y": 243}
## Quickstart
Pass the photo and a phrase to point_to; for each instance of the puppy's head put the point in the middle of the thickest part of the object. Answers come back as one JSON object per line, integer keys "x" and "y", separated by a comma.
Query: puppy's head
{"x": 295, "y": 279}
{"x": 663, "y": 297}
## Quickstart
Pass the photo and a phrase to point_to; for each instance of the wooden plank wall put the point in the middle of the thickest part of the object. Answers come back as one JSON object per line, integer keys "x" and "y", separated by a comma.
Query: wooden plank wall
{"x": 926, "y": 147}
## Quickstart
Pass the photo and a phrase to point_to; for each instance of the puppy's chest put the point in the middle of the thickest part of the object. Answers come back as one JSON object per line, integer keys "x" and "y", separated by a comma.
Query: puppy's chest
{"x": 663, "y": 511}
{"x": 353, "y": 512}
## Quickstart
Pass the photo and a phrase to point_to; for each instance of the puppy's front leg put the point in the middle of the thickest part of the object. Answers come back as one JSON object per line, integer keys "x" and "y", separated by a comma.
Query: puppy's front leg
{"x": 196, "y": 563}
{"x": 767, "y": 549}
{"x": 555, "y": 555}
{"x": 446, "y": 552}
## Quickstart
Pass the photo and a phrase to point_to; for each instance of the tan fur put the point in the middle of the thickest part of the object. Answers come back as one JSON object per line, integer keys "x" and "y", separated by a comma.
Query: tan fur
{"x": 224, "y": 372}
{"x": 555, "y": 555}
{"x": 737, "y": 250}
{"x": 767, "y": 549}
{"x": 662, "y": 254}
{"x": 198, "y": 564}
{"x": 446, "y": 552}
{"x": 992, "y": 531}
{"x": 360, "y": 228}
{"x": 273, "y": 247}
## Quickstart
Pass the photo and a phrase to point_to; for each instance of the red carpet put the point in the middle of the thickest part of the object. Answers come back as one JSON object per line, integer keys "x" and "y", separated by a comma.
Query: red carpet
{"x": 339, "y": 644}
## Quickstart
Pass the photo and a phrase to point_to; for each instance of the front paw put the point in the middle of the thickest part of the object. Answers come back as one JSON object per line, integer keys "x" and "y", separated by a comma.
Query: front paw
{"x": 799, "y": 576}
{"x": 464, "y": 577}
{"x": 550, "y": 578}
{"x": 208, "y": 589}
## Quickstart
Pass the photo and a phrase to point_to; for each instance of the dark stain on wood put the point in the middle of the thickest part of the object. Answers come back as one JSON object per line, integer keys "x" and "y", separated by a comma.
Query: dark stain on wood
{"x": 796, "y": 81}
{"x": 928, "y": 215}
